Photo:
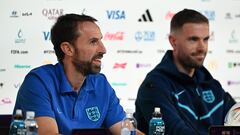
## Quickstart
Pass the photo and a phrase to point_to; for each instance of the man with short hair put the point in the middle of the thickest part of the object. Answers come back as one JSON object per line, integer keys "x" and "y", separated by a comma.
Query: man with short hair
{"x": 72, "y": 93}
{"x": 191, "y": 100}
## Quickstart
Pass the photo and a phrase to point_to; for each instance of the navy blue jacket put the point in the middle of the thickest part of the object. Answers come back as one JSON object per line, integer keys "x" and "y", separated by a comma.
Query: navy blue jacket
{"x": 190, "y": 105}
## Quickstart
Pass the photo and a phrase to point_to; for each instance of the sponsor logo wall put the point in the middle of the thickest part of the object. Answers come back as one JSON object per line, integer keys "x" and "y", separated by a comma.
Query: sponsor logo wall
{"x": 135, "y": 34}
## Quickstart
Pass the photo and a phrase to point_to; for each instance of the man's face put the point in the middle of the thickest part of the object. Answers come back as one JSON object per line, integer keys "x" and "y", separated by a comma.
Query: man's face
{"x": 191, "y": 45}
{"x": 88, "y": 49}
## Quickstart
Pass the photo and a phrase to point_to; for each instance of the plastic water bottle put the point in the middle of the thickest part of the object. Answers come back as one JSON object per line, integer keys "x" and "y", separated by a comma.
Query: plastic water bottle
{"x": 17, "y": 126}
{"x": 129, "y": 124}
{"x": 156, "y": 124}
{"x": 31, "y": 124}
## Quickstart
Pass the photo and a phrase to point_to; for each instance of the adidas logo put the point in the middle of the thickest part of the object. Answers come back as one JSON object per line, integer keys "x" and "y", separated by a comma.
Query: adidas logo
{"x": 146, "y": 17}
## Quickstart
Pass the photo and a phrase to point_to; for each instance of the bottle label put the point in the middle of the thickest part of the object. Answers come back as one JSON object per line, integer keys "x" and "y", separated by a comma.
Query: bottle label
{"x": 21, "y": 131}
{"x": 160, "y": 129}
{"x": 156, "y": 130}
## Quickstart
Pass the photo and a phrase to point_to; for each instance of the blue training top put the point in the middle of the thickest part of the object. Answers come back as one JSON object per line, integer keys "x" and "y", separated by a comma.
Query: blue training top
{"x": 46, "y": 91}
{"x": 189, "y": 105}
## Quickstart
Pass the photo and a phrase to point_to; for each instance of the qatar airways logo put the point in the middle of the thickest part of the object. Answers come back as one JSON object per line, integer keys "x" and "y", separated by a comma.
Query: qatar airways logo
{"x": 120, "y": 65}
{"x": 52, "y": 14}
{"x": 114, "y": 36}
{"x": 233, "y": 82}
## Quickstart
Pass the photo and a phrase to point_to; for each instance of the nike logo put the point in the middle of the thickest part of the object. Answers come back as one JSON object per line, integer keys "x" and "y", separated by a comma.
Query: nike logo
{"x": 178, "y": 94}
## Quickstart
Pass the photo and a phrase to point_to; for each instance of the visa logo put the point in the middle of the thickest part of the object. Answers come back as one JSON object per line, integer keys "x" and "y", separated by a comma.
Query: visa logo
{"x": 116, "y": 14}
{"x": 46, "y": 35}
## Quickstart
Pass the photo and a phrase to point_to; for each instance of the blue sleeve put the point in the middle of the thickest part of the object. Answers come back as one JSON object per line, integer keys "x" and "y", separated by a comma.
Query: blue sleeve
{"x": 152, "y": 95}
{"x": 33, "y": 96}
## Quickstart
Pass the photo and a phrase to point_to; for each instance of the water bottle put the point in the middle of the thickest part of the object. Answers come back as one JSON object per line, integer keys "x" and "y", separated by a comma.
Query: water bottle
{"x": 156, "y": 124}
{"x": 17, "y": 126}
{"x": 129, "y": 124}
{"x": 31, "y": 124}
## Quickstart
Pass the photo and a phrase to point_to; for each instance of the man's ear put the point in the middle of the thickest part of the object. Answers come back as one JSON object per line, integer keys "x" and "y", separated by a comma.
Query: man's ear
{"x": 172, "y": 40}
{"x": 67, "y": 48}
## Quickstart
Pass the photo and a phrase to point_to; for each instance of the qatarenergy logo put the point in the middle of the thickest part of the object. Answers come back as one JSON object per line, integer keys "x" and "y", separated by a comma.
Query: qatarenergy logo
{"x": 19, "y": 66}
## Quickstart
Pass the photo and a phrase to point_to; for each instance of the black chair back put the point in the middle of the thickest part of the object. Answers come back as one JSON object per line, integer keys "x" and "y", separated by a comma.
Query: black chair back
{"x": 5, "y": 121}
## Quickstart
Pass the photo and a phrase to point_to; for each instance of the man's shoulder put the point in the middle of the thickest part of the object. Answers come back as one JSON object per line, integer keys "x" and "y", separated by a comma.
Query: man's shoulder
{"x": 43, "y": 68}
{"x": 45, "y": 71}
{"x": 156, "y": 75}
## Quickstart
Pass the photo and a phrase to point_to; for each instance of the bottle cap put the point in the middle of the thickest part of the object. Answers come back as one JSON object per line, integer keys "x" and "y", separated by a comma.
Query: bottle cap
{"x": 30, "y": 114}
{"x": 157, "y": 109}
{"x": 18, "y": 112}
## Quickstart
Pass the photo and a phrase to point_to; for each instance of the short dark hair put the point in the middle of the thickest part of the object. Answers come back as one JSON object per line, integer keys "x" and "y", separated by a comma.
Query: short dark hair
{"x": 66, "y": 30}
{"x": 186, "y": 16}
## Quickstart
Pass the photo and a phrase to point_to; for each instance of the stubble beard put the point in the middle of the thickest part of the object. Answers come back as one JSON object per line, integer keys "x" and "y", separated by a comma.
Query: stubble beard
{"x": 192, "y": 63}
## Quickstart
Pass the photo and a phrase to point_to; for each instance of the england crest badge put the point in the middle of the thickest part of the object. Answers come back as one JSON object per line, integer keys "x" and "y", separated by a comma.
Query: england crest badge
{"x": 208, "y": 96}
{"x": 93, "y": 113}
